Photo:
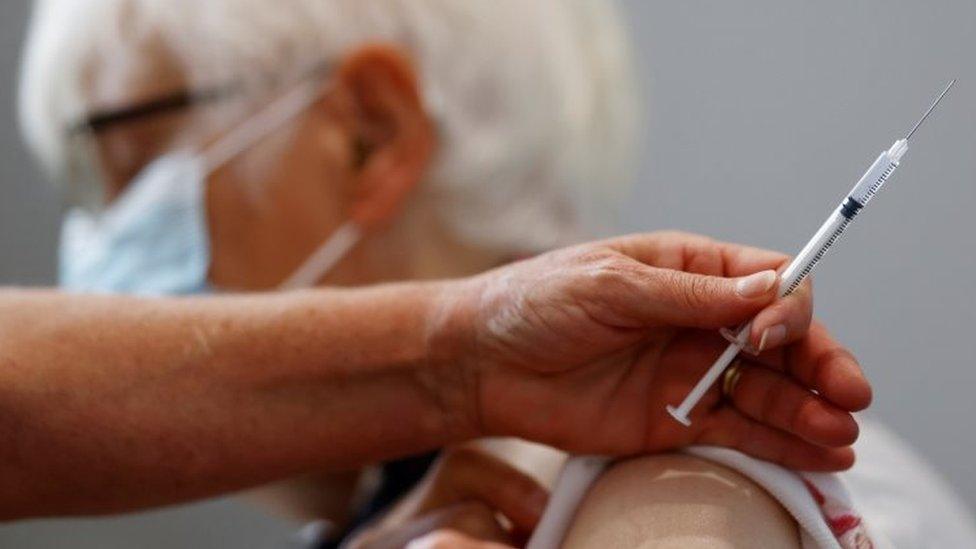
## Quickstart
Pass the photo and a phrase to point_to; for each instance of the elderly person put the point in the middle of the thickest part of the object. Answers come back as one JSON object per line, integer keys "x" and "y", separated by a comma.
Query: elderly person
{"x": 257, "y": 145}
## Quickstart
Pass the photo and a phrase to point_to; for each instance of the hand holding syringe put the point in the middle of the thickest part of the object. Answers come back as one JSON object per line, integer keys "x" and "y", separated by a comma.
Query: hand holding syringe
{"x": 809, "y": 257}
{"x": 581, "y": 471}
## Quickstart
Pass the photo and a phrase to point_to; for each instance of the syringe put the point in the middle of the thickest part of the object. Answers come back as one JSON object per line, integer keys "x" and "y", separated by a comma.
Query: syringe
{"x": 809, "y": 257}
{"x": 580, "y": 471}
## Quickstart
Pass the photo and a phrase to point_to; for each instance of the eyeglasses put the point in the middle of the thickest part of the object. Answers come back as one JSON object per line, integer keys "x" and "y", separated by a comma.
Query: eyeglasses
{"x": 180, "y": 100}
{"x": 83, "y": 167}
{"x": 84, "y": 173}
{"x": 100, "y": 120}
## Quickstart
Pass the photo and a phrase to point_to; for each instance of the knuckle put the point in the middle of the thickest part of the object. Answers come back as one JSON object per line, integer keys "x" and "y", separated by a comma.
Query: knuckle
{"x": 693, "y": 292}
{"x": 613, "y": 273}
{"x": 590, "y": 255}
{"x": 596, "y": 267}
{"x": 700, "y": 290}
{"x": 677, "y": 234}
{"x": 609, "y": 277}
{"x": 669, "y": 234}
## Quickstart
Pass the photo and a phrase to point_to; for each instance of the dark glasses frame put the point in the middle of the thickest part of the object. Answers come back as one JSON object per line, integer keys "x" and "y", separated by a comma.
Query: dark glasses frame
{"x": 100, "y": 120}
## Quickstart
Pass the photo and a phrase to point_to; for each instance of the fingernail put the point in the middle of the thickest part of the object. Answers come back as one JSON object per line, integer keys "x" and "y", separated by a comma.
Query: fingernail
{"x": 773, "y": 336}
{"x": 756, "y": 285}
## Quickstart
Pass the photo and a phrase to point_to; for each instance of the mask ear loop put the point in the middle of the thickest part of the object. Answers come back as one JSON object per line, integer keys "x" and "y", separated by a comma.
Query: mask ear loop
{"x": 247, "y": 134}
{"x": 325, "y": 257}
{"x": 257, "y": 127}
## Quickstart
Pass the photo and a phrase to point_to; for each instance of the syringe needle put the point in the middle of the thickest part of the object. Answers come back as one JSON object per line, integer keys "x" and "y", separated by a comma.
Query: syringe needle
{"x": 932, "y": 108}
{"x": 808, "y": 258}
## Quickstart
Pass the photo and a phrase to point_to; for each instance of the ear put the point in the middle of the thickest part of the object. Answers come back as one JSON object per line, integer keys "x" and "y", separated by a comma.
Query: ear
{"x": 393, "y": 137}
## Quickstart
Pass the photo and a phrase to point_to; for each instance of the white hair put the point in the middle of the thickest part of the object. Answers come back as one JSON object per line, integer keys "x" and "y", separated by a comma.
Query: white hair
{"x": 534, "y": 100}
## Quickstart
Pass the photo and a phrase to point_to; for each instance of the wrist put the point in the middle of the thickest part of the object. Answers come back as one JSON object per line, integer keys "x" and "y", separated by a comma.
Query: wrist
{"x": 453, "y": 371}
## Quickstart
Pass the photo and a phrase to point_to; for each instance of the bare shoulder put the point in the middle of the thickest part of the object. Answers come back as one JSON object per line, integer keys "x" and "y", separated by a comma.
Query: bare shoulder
{"x": 675, "y": 500}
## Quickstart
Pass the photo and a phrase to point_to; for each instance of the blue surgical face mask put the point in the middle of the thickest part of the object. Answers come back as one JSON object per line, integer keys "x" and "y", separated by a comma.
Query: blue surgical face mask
{"x": 153, "y": 240}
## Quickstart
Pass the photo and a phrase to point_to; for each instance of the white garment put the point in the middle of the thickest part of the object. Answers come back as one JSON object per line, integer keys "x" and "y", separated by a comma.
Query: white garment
{"x": 820, "y": 503}
{"x": 903, "y": 502}
{"x": 902, "y": 497}
{"x": 891, "y": 498}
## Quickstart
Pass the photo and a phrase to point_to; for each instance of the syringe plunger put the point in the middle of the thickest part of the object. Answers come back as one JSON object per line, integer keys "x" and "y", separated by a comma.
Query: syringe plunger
{"x": 808, "y": 258}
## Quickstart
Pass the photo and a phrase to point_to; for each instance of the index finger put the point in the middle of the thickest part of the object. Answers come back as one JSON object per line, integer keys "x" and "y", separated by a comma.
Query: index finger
{"x": 782, "y": 322}
{"x": 697, "y": 254}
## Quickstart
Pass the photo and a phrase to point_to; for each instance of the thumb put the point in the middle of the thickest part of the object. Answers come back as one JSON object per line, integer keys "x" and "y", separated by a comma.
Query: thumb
{"x": 690, "y": 300}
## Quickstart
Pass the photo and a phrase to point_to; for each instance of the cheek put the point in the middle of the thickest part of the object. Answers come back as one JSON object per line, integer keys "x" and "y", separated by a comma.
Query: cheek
{"x": 280, "y": 200}
{"x": 302, "y": 185}
{"x": 292, "y": 159}
{"x": 262, "y": 167}
{"x": 316, "y": 165}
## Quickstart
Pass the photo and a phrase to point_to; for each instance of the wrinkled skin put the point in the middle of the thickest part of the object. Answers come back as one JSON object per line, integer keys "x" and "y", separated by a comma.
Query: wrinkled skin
{"x": 584, "y": 348}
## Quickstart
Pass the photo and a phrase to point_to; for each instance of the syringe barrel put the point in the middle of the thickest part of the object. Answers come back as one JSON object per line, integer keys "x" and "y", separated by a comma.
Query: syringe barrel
{"x": 878, "y": 173}
{"x": 813, "y": 252}
{"x": 832, "y": 229}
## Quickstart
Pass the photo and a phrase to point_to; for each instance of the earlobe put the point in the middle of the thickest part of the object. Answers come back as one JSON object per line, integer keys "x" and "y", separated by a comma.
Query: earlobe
{"x": 392, "y": 135}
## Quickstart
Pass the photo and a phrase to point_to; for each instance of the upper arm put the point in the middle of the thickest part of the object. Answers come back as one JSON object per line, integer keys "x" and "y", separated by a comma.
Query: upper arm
{"x": 679, "y": 501}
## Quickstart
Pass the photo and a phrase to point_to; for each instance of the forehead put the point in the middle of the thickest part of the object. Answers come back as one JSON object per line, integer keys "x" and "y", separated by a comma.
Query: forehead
{"x": 139, "y": 69}
{"x": 130, "y": 73}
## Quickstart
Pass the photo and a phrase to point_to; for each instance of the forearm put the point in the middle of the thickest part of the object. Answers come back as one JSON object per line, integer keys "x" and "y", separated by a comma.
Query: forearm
{"x": 108, "y": 404}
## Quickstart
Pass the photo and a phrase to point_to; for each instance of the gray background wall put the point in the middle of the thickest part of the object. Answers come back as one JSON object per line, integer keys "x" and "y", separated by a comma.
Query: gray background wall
{"x": 760, "y": 115}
